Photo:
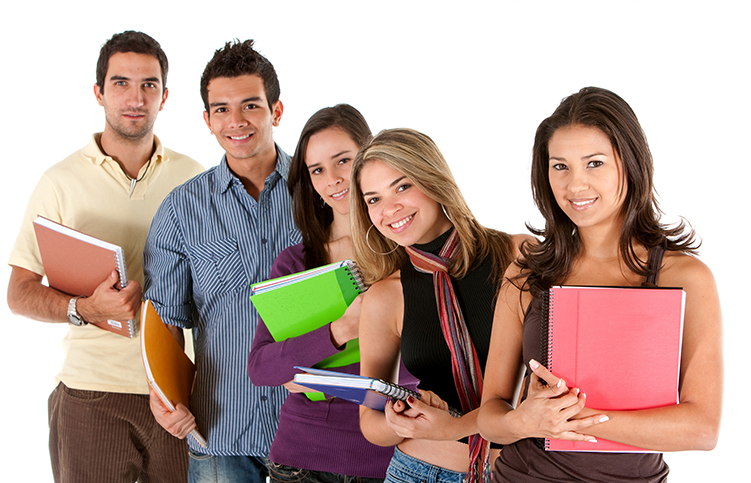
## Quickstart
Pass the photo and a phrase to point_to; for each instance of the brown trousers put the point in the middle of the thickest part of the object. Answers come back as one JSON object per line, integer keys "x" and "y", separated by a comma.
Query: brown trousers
{"x": 110, "y": 438}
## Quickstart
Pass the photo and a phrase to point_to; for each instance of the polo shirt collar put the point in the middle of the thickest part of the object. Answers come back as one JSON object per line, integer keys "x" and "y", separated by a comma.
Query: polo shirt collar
{"x": 92, "y": 151}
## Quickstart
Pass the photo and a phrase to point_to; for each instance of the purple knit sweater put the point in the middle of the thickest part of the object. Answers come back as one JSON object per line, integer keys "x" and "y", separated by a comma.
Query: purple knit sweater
{"x": 320, "y": 435}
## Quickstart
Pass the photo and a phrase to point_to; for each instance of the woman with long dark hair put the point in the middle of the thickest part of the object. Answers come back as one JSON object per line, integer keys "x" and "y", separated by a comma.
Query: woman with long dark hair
{"x": 318, "y": 441}
{"x": 592, "y": 181}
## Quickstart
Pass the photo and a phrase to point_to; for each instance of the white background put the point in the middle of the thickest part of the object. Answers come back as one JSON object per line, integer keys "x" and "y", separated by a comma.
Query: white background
{"x": 478, "y": 77}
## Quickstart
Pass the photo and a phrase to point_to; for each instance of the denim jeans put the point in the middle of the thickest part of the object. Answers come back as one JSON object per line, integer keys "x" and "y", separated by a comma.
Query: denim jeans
{"x": 404, "y": 468}
{"x": 290, "y": 474}
{"x": 204, "y": 468}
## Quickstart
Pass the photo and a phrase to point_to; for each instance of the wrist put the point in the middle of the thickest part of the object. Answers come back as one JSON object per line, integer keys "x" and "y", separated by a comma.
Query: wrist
{"x": 74, "y": 314}
{"x": 338, "y": 334}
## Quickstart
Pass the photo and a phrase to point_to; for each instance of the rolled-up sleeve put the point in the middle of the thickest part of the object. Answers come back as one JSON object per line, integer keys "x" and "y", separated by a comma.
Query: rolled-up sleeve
{"x": 166, "y": 266}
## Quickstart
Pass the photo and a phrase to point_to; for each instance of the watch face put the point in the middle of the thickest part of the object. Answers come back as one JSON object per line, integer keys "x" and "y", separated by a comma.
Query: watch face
{"x": 75, "y": 320}
{"x": 73, "y": 316}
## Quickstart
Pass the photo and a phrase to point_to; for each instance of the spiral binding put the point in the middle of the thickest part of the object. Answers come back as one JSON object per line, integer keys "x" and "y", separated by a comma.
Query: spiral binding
{"x": 546, "y": 345}
{"x": 397, "y": 392}
{"x": 549, "y": 329}
{"x": 356, "y": 275}
{"x": 401, "y": 393}
{"x": 120, "y": 261}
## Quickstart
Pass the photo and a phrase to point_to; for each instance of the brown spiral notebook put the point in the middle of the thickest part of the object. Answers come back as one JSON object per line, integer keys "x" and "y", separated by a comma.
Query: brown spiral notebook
{"x": 76, "y": 263}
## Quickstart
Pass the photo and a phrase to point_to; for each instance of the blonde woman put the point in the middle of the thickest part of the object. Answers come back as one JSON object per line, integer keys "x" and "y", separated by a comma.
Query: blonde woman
{"x": 415, "y": 237}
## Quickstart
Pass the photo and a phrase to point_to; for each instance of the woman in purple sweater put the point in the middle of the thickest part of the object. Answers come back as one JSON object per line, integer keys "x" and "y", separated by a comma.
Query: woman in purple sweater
{"x": 318, "y": 441}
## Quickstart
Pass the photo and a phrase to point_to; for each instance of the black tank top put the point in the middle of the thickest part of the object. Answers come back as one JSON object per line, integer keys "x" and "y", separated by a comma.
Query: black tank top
{"x": 424, "y": 350}
{"x": 524, "y": 461}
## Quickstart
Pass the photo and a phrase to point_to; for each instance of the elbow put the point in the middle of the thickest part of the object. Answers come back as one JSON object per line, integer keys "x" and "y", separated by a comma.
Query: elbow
{"x": 260, "y": 373}
{"x": 703, "y": 435}
{"x": 706, "y": 431}
{"x": 706, "y": 438}
{"x": 483, "y": 425}
{"x": 14, "y": 304}
{"x": 254, "y": 372}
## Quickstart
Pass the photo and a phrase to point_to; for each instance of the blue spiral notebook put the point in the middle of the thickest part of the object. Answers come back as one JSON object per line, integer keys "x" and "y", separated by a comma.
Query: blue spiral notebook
{"x": 362, "y": 390}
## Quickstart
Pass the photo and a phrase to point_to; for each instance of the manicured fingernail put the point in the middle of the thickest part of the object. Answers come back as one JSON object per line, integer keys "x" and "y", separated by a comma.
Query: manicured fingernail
{"x": 592, "y": 440}
{"x": 533, "y": 364}
{"x": 604, "y": 419}
{"x": 577, "y": 391}
{"x": 560, "y": 383}
{"x": 410, "y": 399}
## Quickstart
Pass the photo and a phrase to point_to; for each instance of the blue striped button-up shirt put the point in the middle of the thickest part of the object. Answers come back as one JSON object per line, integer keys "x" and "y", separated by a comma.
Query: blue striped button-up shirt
{"x": 209, "y": 241}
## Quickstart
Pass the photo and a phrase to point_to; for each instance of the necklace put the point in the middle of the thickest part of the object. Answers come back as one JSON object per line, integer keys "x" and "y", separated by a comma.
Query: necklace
{"x": 133, "y": 181}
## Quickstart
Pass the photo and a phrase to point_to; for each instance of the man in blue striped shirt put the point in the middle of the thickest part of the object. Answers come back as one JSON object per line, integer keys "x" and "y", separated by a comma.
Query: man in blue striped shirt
{"x": 210, "y": 240}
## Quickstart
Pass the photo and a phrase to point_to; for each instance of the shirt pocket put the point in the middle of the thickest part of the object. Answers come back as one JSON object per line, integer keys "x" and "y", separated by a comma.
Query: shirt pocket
{"x": 218, "y": 266}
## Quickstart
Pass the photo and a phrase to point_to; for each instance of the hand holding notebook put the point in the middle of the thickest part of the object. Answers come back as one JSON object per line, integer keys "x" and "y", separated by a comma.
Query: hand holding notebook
{"x": 77, "y": 264}
{"x": 619, "y": 345}
{"x": 366, "y": 391}
{"x": 299, "y": 303}
{"x": 169, "y": 370}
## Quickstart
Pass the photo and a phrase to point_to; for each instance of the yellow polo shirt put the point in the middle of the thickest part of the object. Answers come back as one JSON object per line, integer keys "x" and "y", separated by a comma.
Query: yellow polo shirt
{"x": 89, "y": 192}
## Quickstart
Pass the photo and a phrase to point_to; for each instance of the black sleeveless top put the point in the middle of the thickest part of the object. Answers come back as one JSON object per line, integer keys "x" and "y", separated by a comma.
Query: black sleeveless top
{"x": 524, "y": 461}
{"x": 424, "y": 350}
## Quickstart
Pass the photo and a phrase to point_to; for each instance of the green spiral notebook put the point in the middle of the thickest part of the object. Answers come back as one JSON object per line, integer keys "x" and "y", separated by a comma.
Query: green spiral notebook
{"x": 299, "y": 303}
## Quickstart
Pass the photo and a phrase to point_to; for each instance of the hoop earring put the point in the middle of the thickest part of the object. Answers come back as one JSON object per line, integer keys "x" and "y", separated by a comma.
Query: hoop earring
{"x": 446, "y": 214}
{"x": 367, "y": 241}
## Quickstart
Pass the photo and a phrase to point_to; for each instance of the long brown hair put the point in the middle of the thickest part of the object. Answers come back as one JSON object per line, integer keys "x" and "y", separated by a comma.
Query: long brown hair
{"x": 550, "y": 262}
{"x": 415, "y": 155}
{"x": 313, "y": 217}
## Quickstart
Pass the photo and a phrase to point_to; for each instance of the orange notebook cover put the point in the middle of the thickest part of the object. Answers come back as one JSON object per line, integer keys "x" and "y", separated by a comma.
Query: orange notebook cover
{"x": 169, "y": 370}
{"x": 620, "y": 345}
{"x": 76, "y": 263}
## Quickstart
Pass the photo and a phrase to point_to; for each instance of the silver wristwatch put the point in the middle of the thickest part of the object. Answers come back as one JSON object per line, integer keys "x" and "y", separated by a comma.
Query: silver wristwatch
{"x": 73, "y": 316}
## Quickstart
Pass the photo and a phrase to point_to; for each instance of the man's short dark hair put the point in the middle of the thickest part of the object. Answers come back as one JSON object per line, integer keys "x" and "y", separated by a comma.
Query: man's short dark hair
{"x": 239, "y": 58}
{"x": 130, "y": 41}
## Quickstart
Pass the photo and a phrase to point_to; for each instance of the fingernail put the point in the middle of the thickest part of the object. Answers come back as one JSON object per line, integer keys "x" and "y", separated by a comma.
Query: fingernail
{"x": 577, "y": 391}
{"x": 592, "y": 440}
{"x": 560, "y": 383}
{"x": 604, "y": 419}
{"x": 410, "y": 399}
{"x": 533, "y": 364}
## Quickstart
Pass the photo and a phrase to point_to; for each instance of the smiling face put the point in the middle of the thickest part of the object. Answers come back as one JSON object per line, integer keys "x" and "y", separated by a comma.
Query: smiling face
{"x": 240, "y": 119}
{"x": 329, "y": 160}
{"x": 585, "y": 175}
{"x": 132, "y": 95}
{"x": 397, "y": 208}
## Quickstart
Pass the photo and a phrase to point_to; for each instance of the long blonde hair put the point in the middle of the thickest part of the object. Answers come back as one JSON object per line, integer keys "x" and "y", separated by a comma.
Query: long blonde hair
{"x": 416, "y": 156}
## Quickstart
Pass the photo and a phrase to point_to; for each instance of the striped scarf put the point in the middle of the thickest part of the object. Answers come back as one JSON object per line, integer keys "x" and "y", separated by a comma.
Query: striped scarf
{"x": 464, "y": 361}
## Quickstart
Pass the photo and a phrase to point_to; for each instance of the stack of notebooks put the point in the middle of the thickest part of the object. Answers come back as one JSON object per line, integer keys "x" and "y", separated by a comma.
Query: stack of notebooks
{"x": 76, "y": 263}
{"x": 366, "y": 391}
{"x": 302, "y": 302}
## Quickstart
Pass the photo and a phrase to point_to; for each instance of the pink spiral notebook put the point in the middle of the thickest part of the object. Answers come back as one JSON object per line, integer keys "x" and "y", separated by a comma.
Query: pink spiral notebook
{"x": 619, "y": 345}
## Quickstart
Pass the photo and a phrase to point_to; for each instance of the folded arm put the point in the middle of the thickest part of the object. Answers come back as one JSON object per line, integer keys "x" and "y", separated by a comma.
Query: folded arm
{"x": 29, "y": 298}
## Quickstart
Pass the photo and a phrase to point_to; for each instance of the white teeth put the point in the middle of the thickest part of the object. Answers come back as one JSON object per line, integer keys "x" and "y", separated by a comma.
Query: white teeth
{"x": 238, "y": 138}
{"x": 582, "y": 203}
{"x": 401, "y": 223}
{"x": 341, "y": 193}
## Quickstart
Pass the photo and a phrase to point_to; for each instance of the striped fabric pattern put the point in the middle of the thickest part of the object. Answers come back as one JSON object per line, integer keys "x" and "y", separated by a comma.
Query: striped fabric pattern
{"x": 464, "y": 361}
{"x": 208, "y": 243}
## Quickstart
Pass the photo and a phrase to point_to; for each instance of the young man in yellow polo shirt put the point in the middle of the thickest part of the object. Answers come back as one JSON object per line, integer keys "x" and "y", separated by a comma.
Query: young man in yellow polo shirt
{"x": 101, "y": 427}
